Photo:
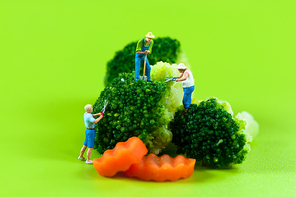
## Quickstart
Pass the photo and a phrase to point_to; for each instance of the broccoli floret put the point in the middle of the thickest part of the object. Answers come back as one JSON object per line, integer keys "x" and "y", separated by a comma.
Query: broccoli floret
{"x": 134, "y": 109}
{"x": 164, "y": 49}
{"x": 252, "y": 127}
{"x": 162, "y": 71}
{"x": 208, "y": 132}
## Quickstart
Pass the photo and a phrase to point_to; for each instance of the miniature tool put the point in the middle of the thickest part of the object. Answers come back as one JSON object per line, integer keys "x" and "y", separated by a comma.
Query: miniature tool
{"x": 105, "y": 105}
{"x": 170, "y": 79}
{"x": 144, "y": 78}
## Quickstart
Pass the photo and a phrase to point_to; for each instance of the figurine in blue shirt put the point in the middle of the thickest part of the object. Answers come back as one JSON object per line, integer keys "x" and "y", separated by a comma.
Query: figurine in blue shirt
{"x": 89, "y": 141}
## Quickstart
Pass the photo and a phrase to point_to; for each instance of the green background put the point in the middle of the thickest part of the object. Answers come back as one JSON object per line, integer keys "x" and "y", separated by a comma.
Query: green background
{"x": 52, "y": 62}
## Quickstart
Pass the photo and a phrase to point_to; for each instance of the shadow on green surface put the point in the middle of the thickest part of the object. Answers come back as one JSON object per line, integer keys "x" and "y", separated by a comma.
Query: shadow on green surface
{"x": 121, "y": 176}
{"x": 204, "y": 173}
{"x": 201, "y": 174}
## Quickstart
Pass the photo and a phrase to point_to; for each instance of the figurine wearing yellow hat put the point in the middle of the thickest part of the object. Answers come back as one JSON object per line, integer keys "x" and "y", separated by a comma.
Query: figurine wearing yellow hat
{"x": 143, "y": 48}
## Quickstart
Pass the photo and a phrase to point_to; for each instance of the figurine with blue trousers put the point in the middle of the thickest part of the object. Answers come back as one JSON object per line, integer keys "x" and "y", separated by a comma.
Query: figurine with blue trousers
{"x": 143, "y": 48}
{"x": 187, "y": 83}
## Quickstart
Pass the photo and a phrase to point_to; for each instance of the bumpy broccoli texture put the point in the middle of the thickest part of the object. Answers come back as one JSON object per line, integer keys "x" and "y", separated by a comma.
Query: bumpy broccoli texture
{"x": 209, "y": 132}
{"x": 134, "y": 109}
{"x": 152, "y": 111}
{"x": 164, "y": 49}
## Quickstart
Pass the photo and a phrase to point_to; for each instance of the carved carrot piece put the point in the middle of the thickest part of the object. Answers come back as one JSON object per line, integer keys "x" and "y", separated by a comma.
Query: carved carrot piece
{"x": 121, "y": 157}
{"x": 162, "y": 168}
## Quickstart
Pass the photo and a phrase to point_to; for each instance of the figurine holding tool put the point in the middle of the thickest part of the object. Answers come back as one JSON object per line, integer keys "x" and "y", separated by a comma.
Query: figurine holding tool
{"x": 89, "y": 122}
{"x": 143, "y": 48}
{"x": 187, "y": 83}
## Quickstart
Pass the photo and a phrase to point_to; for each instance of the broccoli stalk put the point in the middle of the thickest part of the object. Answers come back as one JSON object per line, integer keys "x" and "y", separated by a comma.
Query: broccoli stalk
{"x": 165, "y": 49}
{"x": 209, "y": 132}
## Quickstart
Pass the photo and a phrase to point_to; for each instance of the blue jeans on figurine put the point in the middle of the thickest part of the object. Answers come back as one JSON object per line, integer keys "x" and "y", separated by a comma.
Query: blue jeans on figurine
{"x": 138, "y": 59}
{"x": 187, "y": 96}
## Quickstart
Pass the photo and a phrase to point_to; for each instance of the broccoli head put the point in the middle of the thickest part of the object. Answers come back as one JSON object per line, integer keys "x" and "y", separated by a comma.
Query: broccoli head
{"x": 164, "y": 49}
{"x": 162, "y": 71}
{"x": 134, "y": 109}
{"x": 208, "y": 132}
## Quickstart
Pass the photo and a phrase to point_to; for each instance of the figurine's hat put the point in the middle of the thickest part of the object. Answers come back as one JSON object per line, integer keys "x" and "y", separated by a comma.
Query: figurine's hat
{"x": 150, "y": 35}
{"x": 181, "y": 66}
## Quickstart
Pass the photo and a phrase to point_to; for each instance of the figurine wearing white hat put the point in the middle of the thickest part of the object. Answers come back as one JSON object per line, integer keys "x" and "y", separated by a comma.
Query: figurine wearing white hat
{"x": 144, "y": 47}
{"x": 187, "y": 83}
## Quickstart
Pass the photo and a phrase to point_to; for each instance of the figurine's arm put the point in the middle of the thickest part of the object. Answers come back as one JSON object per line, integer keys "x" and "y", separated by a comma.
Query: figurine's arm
{"x": 185, "y": 75}
{"x": 95, "y": 115}
{"x": 150, "y": 48}
{"x": 98, "y": 119}
{"x": 140, "y": 52}
{"x": 146, "y": 52}
{"x": 180, "y": 76}
{"x": 139, "y": 46}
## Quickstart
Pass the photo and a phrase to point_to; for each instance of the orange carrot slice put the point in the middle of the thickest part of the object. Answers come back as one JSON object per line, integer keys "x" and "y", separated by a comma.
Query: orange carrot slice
{"x": 162, "y": 168}
{"x": 121, "y": 157}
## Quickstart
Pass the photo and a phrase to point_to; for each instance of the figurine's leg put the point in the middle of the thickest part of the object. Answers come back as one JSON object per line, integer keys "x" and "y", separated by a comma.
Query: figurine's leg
{"x": 137, "y": 67}
{"x": 90, "y": 144}
{"x": 82, "y": 150}
{"x": 187, "y": 96}
{"x": 84, "y": 146}
{"x": 184, "y": 98}
{"x": 89, "y": 153}
{"x": 148, "y": 70}
{"x": 184, "y": 101}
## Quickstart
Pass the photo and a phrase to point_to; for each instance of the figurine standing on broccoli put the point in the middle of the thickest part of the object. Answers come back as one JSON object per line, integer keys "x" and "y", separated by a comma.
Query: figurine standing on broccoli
{"x": 89, "y": 122}
{"x": 144, "y": 47}
{"x": 187, "y": 83}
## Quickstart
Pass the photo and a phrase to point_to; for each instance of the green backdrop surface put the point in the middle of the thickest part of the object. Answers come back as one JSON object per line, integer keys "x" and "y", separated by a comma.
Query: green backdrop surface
{"x": 52, "y": 62}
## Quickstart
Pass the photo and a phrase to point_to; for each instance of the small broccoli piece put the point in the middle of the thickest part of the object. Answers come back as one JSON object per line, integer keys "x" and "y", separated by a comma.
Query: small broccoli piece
{"x": 134, "y": 109}
{"x": 252, "y": 127}
{"x": 164, "y": 49}
{"x": 208, "y": 132}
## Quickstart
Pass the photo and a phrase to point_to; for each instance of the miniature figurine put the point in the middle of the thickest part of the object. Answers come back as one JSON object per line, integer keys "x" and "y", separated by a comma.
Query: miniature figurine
{"x": 144, "y": 47}
{"x": 187, "y": 83}
{"x": 89, "y": 122}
